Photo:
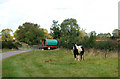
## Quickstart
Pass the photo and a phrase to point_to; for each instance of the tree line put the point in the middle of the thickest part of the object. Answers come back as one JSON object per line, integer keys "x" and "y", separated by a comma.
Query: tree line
{"x": 66, "y": 33}
{"x": 69, "y": 32}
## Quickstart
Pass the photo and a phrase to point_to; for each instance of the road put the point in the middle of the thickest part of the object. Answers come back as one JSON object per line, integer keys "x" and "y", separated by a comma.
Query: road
{"x": 11, "y": 53}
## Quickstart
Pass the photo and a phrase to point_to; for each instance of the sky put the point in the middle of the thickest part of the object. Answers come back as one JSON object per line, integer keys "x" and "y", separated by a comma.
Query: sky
{"x": 91, "y": 15}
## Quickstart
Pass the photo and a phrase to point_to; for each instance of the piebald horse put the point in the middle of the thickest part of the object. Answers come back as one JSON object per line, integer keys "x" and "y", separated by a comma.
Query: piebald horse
{"x": 78, "y": 50}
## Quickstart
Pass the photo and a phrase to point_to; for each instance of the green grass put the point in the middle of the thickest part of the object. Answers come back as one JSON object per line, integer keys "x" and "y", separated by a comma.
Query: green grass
{"x": 59, "y": 63}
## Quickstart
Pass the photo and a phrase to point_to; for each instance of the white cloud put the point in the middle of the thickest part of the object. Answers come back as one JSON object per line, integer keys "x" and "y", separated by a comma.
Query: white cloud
{"x": 98, "y": 15}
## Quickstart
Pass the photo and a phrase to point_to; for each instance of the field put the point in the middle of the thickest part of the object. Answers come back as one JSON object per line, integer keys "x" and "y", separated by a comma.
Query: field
{"x": 60, "y": 63}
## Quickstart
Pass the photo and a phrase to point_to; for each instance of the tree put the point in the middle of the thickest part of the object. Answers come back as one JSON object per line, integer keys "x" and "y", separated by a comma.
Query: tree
{"x": 116, "y": 32}
{"x": 92, "y": 39}
{"x": 69, "y": 27}
{"x": 6, "y": 35}
{"x": 69, "y": 33}
{"x": 0, "y": 37}
{"x": 55, "y": 30}
{"x": 104, "y": 35}
{"x": 108, "y": 35}
{"x": 29, "y": 33}
{"x": 47, "y": 35}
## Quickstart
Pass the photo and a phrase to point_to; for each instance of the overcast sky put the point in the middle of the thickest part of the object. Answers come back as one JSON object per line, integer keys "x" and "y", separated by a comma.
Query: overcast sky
{"x": 93, "y": 15}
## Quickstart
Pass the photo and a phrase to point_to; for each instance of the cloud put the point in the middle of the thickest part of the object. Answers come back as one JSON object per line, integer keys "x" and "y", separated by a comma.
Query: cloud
{"x": 100, "y": 16}
{"x": 3, "y": 1}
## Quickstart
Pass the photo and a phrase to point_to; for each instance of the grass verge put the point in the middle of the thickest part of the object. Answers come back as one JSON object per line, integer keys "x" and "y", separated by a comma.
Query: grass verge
{"x": 7, "y": 50}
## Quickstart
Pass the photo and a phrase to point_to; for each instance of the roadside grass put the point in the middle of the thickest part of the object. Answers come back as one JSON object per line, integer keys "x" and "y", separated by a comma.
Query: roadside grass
{"x": 24, "y": 47}
{"x": 59, "y": 63}
{"x": 7, "y": 50}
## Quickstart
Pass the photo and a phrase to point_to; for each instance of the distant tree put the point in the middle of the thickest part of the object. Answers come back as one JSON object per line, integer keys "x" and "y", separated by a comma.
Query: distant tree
{"x": 70, "y": 28}
{"x": 104, "y": 35}
{"x": 70, "y": 32}
{"x": 47, "y": 35}
{"x": 55, "y": 30}
{"x": 116, "y": 32}
{"x": 92, "y": 33}
{"x": 108, "y": 35}
{"x": 81, "y": 37}
{"x": 101, "y": 35}
{"x": 0, "y": 37}
{"x": 6, "y": 35}
{"x": 82, "y": 33}
{"x": 29, "y": 33}
{"x": 92, "y": 39}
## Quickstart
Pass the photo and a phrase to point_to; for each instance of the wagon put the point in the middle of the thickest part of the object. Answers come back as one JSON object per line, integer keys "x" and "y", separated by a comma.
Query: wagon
{"x": 49, "y": 43}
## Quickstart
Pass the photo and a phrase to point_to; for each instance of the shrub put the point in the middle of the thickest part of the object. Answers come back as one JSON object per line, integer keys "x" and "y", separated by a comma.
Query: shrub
{"x": 88, "y": 43}
{"x": 10, "y": 44}
{"x": 110, "y": 45}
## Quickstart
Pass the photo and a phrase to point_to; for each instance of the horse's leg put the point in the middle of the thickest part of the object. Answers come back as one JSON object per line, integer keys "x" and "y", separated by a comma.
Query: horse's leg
{"x": 83, "y": 57}
{"x": 78, "y": 58}
{"x": 75, "y": 56}
{"x": 75, "y": 59}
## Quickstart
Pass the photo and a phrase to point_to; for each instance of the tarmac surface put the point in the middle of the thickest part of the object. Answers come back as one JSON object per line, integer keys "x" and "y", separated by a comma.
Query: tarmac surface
{"x": 11, "y": 53}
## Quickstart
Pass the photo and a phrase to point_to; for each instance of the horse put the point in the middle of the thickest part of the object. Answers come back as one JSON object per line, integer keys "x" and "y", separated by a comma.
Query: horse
{"x": 78, "y": 50}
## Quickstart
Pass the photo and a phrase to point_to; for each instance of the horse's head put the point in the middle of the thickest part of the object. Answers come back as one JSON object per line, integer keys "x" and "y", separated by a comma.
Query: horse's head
{"x": 74, "y": 45}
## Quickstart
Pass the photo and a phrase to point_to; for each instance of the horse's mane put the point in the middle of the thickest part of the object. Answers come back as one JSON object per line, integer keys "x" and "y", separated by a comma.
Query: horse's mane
{"x": 79, "y": 48}
{"x": 75, "y": 46}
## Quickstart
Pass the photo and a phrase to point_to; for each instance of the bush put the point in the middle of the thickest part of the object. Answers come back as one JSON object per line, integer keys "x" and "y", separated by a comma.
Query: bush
{"x": 110, "y": 45}
{"x": 88, "y": 43}
{"x": 10, "y": 44}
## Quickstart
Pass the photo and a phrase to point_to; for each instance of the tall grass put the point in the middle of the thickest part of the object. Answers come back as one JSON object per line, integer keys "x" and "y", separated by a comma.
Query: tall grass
{"x": 102, "y": 53}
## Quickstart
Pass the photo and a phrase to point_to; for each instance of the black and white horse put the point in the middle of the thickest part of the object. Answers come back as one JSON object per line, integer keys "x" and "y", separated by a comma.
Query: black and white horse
{"x": 78, "y": 50}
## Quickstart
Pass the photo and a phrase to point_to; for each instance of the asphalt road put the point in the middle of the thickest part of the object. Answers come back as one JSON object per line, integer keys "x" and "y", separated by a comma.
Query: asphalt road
{"x": 11, "y": 53}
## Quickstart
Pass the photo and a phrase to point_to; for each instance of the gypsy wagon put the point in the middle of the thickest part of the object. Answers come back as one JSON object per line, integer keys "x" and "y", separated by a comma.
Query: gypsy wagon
{"x": 49, "y": 43}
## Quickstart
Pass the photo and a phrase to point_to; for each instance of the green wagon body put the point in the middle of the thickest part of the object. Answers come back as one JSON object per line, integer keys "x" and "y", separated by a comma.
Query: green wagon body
{"x": 49, "y": 43}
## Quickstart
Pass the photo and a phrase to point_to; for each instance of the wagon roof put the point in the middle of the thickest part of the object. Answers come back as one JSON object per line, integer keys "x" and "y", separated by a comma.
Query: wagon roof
{"x": 51, "y": 41}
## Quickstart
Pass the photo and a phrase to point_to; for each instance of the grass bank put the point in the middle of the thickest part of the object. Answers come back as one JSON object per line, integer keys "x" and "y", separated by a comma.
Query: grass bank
{"x": 59, "y": 63}
{"x": 7, "y": 50}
